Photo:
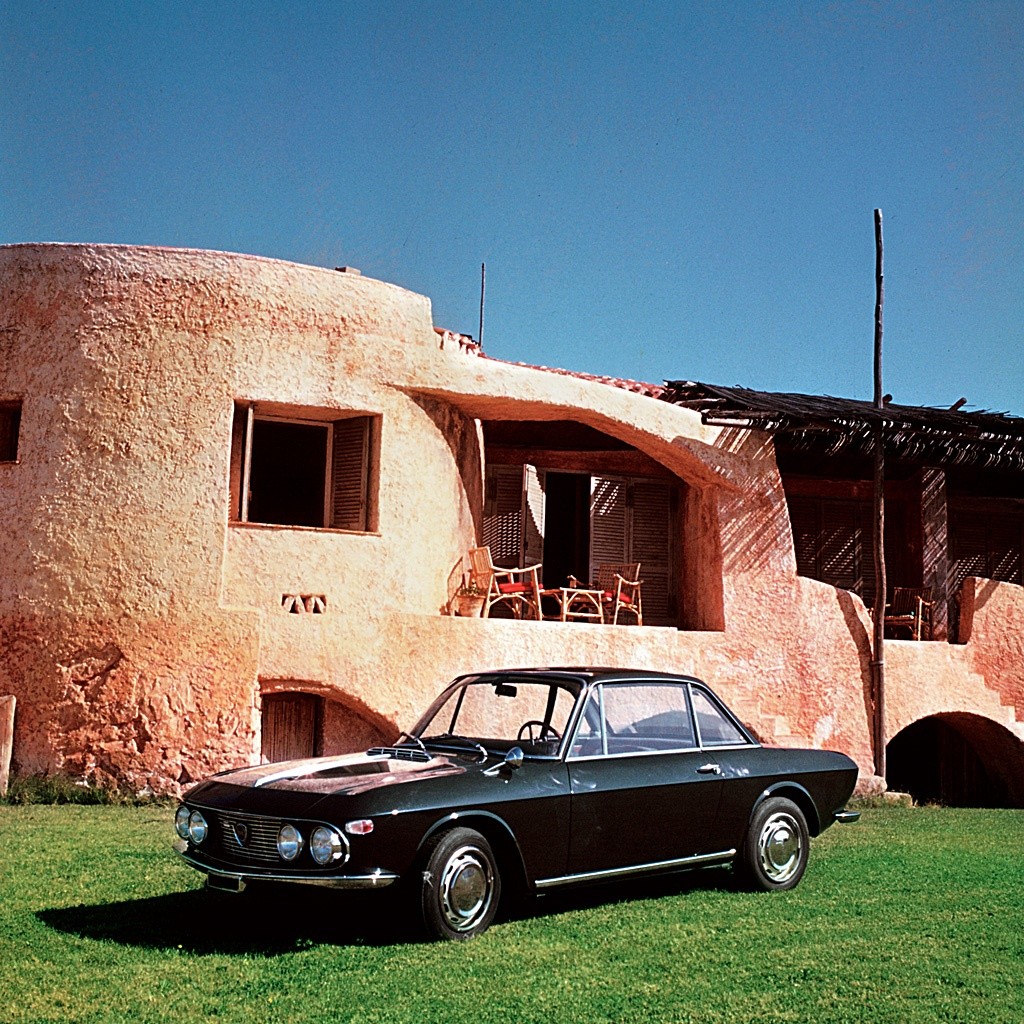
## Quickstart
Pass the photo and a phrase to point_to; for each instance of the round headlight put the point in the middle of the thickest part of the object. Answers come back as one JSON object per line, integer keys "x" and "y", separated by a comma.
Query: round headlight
{"x": 326, "y": 845}
{"x": 197, "y": 827}
{"x": 289, "y": 842}
{"x": 181, "y": 821}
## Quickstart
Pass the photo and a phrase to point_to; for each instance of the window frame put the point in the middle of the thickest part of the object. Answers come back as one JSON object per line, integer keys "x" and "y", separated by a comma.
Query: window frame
{"x": 596, "y": 694}
{"x": 247, "y": 414}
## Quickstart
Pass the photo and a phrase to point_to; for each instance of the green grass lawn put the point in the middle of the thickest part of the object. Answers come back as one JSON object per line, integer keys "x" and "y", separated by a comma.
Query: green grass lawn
{"x": 910, "y": 915}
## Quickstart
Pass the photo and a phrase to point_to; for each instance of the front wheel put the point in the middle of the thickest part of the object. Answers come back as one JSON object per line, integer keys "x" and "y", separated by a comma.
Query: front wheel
{"x": 460, "y": 886}
{"x": 774, "y": 854}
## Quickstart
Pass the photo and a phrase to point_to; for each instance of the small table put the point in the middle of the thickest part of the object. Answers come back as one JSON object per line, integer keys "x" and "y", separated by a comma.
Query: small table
{"x": 575, "y": 604}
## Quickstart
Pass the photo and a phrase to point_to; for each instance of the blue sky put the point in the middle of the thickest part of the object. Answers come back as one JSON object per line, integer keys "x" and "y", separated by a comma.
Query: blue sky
{"x": 659, "y": 190}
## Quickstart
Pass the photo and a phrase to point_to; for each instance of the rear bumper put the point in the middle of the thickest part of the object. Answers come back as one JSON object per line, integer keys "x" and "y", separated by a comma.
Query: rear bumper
{"x": 845, "y": 817}
{"x": 235, "y": 879}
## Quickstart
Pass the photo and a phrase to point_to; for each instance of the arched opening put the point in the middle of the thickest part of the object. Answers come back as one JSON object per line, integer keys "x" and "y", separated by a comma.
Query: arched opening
{"x": 297, "y": 724}
{"x": 957, "y": 760}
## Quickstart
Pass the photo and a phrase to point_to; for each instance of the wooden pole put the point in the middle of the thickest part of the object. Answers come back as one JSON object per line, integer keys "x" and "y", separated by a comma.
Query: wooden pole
{"x": 6, "y": 740}
{"x": 878, "y": 660}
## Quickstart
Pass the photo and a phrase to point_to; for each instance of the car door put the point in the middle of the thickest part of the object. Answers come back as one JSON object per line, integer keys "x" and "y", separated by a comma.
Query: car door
{"x": 641, "y": 791}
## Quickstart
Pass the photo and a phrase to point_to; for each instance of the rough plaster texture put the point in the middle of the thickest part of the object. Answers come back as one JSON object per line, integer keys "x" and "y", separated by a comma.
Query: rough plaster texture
{"x": 139, "y": 627}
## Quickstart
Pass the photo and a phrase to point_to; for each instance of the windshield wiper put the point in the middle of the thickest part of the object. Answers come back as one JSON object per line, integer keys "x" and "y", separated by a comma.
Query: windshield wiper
{"x": 462, "y": 742}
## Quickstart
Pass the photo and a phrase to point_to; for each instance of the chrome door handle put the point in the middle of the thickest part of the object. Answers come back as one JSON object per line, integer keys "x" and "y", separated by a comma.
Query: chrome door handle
{"x": 709, "y": 769}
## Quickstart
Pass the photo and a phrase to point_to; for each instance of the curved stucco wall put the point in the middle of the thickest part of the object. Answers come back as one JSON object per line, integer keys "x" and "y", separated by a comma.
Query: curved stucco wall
{"x": 134, "y": 617}
{"x": 138, "y": 624}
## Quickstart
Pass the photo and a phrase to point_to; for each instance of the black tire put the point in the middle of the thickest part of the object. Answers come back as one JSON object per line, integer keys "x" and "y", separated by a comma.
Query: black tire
{"x": 460, "y": 886}
{"x": 775, "y": 848}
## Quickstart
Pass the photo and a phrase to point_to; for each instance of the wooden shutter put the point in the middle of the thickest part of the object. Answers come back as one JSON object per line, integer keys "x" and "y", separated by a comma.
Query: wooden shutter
{"x": 503, "y": 512}
{"x": 350, "y": 473}
{"x": 607, "y": 521}
{"x": 834, "y": 543}
{"x": 630, "y": 521}
{"x": 649, "y": 526}
{"x": 806, "y": 524}
{"x": 533, "y": 516}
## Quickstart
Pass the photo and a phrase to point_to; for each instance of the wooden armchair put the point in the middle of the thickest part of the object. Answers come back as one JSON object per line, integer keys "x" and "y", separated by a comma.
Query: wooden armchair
{"x": 517, "y": 588}
{"x": 620, "y": 586}
{"x": 910, "y": 609}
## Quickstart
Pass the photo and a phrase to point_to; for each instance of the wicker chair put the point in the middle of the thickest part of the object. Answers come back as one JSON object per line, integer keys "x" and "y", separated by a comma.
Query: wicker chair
{"x": 519, "y": 589}
{"x": 621, "y": 591}
{"x": 910, "y": 609}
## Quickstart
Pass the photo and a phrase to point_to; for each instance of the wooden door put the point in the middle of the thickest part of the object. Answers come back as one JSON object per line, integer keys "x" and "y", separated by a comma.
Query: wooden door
{"x": 291, "y": 726}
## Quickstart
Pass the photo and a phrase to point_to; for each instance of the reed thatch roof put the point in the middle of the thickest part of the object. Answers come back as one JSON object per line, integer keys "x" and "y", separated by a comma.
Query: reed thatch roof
{"x": 844, "y": 425}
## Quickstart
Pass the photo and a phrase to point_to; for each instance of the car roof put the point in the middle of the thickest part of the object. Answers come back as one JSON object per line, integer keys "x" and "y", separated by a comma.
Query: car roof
{"x": 588, "y": 673}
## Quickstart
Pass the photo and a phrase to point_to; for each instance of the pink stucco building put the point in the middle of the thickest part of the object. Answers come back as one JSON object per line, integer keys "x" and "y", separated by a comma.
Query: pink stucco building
{"x": 237, "y": 495}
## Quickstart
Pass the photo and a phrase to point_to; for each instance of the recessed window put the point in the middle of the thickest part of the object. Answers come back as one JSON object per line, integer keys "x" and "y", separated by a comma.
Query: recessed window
{"x": 10, "y": 424}
{"x": 299, "y": 471}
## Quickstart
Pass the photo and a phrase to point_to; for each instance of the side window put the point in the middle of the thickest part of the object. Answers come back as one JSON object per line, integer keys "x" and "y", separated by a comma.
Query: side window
{"x": 303, "y": 470}
{"x": 10, "y": 424}
{"x": 716, "y": 729}
{"x": 588, "y": 741}
{"x": 638, "y": 718}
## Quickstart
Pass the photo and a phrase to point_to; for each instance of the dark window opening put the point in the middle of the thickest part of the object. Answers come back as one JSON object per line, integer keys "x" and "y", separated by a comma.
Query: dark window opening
{"x": 10, "y": 425}
{"x": 288, "y": 473}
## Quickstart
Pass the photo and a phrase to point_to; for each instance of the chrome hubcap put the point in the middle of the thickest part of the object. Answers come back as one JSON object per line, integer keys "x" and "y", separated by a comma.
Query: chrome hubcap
{"x": 780, "y": 847}
{"x": 467, "y": 887}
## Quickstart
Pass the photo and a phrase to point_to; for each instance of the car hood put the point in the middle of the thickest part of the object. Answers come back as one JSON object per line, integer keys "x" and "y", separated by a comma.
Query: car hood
{"x": 345, "y": 774}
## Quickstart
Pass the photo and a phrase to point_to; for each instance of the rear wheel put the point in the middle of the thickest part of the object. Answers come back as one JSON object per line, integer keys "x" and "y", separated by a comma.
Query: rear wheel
{"x": 774, "y": 854}
{"x": 460, "y": 886}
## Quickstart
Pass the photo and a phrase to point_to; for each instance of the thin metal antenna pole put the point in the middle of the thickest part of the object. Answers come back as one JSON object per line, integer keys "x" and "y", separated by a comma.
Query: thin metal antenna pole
{"x": 483, "y": 286}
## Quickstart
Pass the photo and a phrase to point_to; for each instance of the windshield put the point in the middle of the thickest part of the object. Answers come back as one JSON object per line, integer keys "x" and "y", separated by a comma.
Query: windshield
{"x": 500, "y": 713}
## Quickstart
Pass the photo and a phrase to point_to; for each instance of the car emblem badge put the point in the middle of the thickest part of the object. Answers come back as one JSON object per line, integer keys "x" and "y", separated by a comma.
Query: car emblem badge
{"x": 241, "y": 831}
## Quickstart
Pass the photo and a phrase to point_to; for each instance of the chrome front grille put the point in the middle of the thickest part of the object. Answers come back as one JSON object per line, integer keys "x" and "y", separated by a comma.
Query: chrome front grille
{"x": 248, "y": 836}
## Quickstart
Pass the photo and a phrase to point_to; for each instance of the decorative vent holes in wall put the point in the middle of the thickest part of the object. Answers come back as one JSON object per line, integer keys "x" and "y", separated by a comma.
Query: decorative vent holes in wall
{"x": 304, "y": 604}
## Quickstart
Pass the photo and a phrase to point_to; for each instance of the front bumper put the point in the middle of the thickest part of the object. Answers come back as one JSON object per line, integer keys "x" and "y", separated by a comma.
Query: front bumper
{"x": 845, "y": 817}
{"x": 235, "y": 879}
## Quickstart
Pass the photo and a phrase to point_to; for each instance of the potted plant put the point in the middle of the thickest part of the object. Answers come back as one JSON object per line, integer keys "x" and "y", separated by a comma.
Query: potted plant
{"x": 469, "y": 600}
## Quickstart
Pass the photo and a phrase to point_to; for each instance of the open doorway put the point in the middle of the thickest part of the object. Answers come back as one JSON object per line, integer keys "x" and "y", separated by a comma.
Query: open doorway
{"x": 567, "y": 527}
{"x": 957, "y": 759}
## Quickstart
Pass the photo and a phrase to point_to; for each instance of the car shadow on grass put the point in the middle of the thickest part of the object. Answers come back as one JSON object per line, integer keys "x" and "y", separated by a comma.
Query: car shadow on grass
{"x": 266, "y": 923}
{"x": 271, "y": 922}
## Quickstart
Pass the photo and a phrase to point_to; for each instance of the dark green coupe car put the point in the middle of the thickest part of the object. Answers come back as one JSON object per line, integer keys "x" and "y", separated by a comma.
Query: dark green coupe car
{"x": 526, "y": 780}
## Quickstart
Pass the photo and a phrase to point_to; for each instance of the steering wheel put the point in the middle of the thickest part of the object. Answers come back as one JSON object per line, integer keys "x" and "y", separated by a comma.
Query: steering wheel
{"x": 544, "y": 732}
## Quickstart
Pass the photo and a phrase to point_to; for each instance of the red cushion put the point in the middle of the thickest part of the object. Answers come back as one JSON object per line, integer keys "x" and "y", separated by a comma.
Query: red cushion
{"x": 515, "y": 588}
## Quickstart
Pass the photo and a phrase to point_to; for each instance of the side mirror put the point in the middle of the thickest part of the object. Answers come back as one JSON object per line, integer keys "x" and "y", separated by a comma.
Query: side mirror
{"x": 514, "y": 758}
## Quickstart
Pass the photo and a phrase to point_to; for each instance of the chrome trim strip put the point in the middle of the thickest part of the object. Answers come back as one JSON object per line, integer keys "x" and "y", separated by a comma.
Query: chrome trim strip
{"x": 375, "y": 880}
{"x": 658, "y": 753}
{"x": 845, "y": 817}
{"x": 637, "y": 869}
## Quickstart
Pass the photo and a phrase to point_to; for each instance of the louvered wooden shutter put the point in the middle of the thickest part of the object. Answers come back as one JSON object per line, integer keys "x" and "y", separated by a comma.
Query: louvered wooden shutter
{"x": 834, "y": 542}
{"x": 607, "y": 521}
{"x": 533, "y": 516}
{"x": 503, "y": 510}
{"x": 648, "y": 520}
{"x": 803, "y": 517}
{"x": 349, "y": 473}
